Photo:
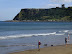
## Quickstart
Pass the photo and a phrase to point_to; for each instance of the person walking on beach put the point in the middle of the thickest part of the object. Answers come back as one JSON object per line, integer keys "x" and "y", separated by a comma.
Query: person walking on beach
{"x": 39, "y": 43}
{"x": 65, "y": 41}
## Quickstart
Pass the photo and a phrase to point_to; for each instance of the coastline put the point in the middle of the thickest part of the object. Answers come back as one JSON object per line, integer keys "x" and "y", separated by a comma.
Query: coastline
{"x": 60, "y": 49}
{"x": 34, "y": 21}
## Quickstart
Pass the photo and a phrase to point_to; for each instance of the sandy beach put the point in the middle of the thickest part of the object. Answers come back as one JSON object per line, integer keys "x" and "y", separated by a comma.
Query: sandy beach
{"x": 62, "y": 49}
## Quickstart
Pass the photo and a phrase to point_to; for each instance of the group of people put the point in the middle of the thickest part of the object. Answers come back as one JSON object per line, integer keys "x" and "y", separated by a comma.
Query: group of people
{"x": 39, "y": 43}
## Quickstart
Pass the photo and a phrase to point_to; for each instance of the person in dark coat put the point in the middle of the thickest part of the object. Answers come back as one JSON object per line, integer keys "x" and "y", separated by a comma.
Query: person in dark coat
{"x": 65, "y": 41}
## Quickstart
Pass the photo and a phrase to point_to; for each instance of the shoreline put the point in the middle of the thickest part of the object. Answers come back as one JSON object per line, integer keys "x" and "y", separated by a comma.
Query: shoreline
{"x": 59, "y": 49}
{"x": 34, "y": 21}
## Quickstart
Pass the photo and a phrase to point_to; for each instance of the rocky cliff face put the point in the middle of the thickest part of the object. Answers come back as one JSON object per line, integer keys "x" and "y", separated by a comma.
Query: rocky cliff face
{"x": 45, "y": 14}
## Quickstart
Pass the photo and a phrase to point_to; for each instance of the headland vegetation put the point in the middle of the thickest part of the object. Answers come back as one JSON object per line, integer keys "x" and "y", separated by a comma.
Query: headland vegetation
{"x": 58, "y": 14}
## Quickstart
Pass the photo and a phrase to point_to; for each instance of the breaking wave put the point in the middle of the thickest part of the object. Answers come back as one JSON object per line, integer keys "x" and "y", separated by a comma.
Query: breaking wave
{"x": 64, "y": 31}
{"x": 29, "y": 35}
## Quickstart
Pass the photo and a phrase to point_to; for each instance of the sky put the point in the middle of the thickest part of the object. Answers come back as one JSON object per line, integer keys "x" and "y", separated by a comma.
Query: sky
{"x": 10, "y": 8}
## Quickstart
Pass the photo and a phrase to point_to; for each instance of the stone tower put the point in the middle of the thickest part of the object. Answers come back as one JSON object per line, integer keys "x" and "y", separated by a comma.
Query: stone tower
{"x": 63, "y": 5}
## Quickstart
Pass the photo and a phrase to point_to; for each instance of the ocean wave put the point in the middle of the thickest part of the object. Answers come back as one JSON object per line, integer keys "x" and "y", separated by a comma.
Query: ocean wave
{"x": 60, "y": 34}
{"x": 29, "y": 35}
{"x": 64, "y": 31}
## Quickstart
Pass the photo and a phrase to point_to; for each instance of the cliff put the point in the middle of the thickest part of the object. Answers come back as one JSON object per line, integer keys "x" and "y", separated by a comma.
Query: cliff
{"x": 54, "y": 14}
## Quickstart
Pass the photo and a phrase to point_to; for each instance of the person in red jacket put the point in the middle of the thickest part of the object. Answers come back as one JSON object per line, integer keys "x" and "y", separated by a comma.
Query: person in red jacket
{"x": 39, "y": 43}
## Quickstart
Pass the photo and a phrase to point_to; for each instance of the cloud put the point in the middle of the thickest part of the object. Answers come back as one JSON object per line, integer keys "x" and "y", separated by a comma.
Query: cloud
{"x": 51, "y": 5}
{"x": 61, "y": 1}
{"x": 68, "y": 1}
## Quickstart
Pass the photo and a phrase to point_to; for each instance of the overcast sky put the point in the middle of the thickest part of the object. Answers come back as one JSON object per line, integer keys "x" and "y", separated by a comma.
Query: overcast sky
{"x": 9, "y": 8}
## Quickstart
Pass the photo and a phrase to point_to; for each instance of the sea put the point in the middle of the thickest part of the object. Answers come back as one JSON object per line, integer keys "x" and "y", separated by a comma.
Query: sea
{"x": 21, "y": 36}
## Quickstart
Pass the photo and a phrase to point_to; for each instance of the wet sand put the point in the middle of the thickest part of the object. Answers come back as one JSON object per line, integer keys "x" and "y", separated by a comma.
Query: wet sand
{"x": 62, "y": 49}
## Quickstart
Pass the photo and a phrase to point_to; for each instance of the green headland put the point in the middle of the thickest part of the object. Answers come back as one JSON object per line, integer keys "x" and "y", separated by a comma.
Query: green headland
{"x": 53, "y": 14}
